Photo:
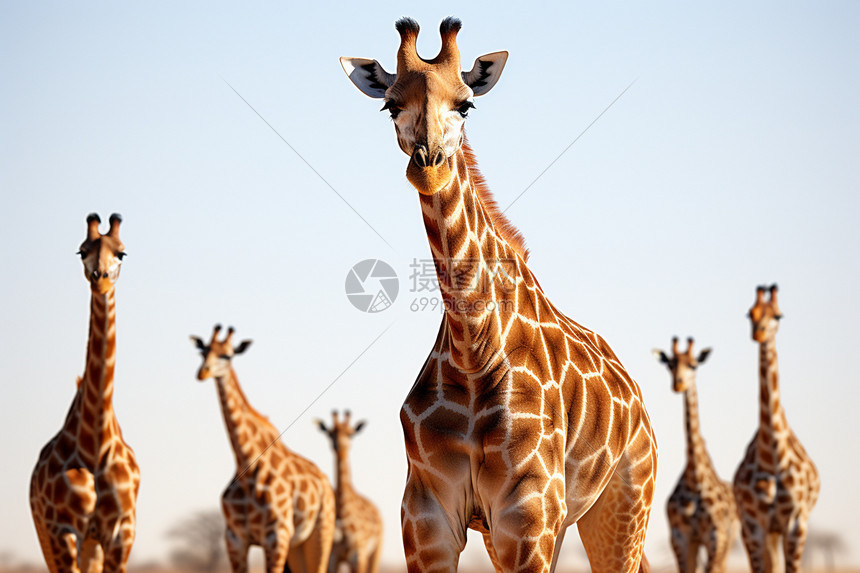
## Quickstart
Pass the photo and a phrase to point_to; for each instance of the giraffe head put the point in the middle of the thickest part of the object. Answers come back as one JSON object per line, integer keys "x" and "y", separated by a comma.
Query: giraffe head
{"x": 218, "y": 354}
{"x": 341, "y": 432}
{"x": 765, "y": 314}
{"x": 682, "y": 366}
{"x": 428, "y": 99}
{"x": 102, "y": 254}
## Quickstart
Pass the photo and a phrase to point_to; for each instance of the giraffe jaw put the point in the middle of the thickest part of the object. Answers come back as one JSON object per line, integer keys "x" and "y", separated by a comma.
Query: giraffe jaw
{"x": 429, "y": 180}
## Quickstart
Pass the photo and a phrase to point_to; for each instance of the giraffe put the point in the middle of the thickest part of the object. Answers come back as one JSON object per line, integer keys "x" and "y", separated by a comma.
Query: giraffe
{"x": 358, "y": 538}
{"x": 776, "y": 485}
{"x": 701, "y": 509}
{"x": 83, "y": 490}
{"x": 277, "y": 499}
{"x": 521, "y": 422}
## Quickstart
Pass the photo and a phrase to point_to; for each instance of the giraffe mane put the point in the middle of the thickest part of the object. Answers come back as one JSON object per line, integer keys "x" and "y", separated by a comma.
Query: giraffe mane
{"x": 502, "y": 224}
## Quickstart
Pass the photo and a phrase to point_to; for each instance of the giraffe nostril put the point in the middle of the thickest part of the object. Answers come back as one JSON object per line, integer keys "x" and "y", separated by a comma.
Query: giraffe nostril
{"x": 438, "y": 158}
{"x": 420, "y": 155}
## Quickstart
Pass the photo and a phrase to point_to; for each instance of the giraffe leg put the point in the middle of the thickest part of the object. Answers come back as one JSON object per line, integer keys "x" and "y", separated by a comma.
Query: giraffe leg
{"x": 793, "y": 543}
{"x": 718, "y": 546}
{"x": 317, "y": 549}
{"x": 558, "y": 541}
{"x": 613, "y": 530}
{"x": 491, "y": 551}
{"x": 692, "y": 557}
{"x": 91, "y": 557}
{"x": 431, "y": 541}
{"x": 361, "y": 562}
{"x": 680, "y": 545}
{"x": 375, "y": 559}
{"x": 237, "y": 551}
{"x": 760, "y": 546}
{"x": 334, "y": 561}
{"x": 118, "y": 547}
{"x": 524, "y": 528}
{"x": 276, "y": 547}
{"x": 62, "y": 556}
{"x": 296, "y": 561}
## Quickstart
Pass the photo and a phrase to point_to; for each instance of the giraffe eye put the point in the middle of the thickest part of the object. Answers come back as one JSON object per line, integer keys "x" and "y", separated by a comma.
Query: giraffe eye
{"x": 82, "y": 253}
{"x": 463, "y": 108}
{"x": 120, "y": 255}
{"x": 392, "y": 108}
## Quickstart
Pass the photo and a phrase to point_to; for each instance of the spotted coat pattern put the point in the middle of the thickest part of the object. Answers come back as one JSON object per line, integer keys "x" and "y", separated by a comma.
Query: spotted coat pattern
{"x": 777, "y": 484}
{"x": 277, "y": 499}
{"x": 83, "y": 490}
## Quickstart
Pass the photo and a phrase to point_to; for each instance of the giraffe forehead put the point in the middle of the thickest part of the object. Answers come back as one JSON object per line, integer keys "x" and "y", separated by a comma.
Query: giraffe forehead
{"x": 218, "y": 348}
{"x": 762, "y": 310}
{"x": 428, "y": 87}
{"x": 104, "y": 245}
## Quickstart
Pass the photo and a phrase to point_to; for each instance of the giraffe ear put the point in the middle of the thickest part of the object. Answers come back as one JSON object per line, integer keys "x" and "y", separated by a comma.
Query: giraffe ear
{"x": 703, "y": 355}
{"x": 198, "y": 343}
{"x": 243, "y": 346}
{"x": 661, "y": 356}
{"x": 485, "y": 72}
{"x": 358, "y": 427}
{"x": 368, "y": 76}
{"x": 321, "y": 426}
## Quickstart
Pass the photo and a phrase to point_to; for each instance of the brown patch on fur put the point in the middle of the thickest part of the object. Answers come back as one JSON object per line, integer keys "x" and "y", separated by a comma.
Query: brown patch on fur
{"x": 502, "y": 224}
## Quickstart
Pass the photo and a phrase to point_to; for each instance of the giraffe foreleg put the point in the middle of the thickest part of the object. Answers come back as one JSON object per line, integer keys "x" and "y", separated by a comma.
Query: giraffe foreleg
{"x": 613, "y": 529}
{"x": 717, "y": 545}
{"x": 432, "y": 539}
{"x": 63, "y": 557}
{"x": 51, "y": 546}
{"x": 558, "y": 542}
{"x": 375, "y": 558}
{"x": 491, "y": 551}
{"x": 276, "y": 547}
{"x": 91, "y": 557}
{"x": 681, "y": 547}
{"x": 317, "y": 552}
{"x": 793, "y": 543}
{"x": 526, "y": 522}
{"x": 237, "y": 551}
{"x": 117, "y": 546}
{"x": 761, "y": 546}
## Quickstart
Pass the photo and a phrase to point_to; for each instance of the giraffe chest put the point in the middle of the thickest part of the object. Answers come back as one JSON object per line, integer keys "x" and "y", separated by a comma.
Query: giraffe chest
{"x": 700, "y": 502}
{"x": 776, "y": 484}
{"x": 278, "y": 492}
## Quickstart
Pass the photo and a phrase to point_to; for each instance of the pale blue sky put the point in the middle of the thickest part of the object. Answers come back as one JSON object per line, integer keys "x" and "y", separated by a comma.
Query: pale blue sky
{"x": 732, "y": 161}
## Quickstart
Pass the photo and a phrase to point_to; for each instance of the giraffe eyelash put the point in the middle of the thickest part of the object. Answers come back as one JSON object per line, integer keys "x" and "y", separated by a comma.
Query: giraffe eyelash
{"x": 392, "y": 108}
{"x": 464, "y": 107}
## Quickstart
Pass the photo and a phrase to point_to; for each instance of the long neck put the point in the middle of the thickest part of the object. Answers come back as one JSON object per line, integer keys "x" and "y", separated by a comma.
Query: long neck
{"x": 97, "y": 422}
{"x": 478, "y": 269}
{"x": 250, "y": 434}
{"x": 773, "y": 425}
{"x": 343, "y": 479}
{"x": 697, "y": 455}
